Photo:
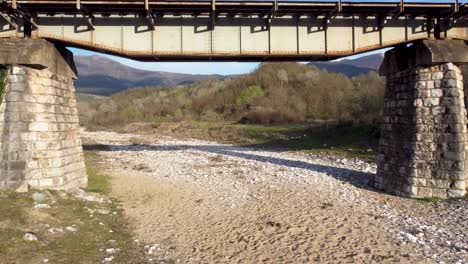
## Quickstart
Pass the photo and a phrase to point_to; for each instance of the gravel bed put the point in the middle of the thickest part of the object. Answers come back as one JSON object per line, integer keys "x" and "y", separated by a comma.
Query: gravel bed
{"x": 235, "y": 176}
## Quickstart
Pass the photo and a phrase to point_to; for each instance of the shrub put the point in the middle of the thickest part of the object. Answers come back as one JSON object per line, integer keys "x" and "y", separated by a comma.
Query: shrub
{"x": 246, "y": 97}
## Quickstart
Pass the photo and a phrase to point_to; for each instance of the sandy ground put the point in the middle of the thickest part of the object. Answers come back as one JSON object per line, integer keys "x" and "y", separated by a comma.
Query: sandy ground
{"x": 194, "y": 201}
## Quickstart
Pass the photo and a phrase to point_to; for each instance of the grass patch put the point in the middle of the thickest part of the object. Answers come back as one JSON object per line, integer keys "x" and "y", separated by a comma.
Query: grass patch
{"x": 359, "y": 141}
{"x": 96, "y": 231}
{"x": 96, "y": 182}
{"x": 254, "y": 128}
{"x": 428, "y": 199}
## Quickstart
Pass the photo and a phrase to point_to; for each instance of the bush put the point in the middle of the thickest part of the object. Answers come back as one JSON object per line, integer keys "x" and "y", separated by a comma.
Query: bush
{"x": 211, "y": 116}
{"x": 248, "y": 95}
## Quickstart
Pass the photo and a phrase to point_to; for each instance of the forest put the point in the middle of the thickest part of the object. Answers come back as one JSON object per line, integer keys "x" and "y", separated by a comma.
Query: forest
{"x": 275, "y": 93}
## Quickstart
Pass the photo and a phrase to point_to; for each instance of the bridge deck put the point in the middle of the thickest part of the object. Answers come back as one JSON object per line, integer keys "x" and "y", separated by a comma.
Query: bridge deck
{"x": 231, "y": 30}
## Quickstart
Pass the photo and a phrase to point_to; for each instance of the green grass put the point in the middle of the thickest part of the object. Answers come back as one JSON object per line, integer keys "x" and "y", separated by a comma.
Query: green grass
{"x": 253, "y": 128}
{"x": 96, "y": 182}
{"x": 83, "y": 246}
{"x": 435, "y": 199}
{"x": 428, "y": 199}
{"x": 359, "y": 141}
{"x": 349, "y": 140}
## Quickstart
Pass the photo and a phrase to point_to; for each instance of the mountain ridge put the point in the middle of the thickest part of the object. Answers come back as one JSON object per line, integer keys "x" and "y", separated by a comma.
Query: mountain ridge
{"x": 103, "y": 76}
{"x": 352, "y": 67}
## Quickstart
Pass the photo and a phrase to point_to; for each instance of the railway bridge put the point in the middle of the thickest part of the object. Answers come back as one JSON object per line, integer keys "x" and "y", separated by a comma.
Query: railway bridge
{"x": 422, "y": 149}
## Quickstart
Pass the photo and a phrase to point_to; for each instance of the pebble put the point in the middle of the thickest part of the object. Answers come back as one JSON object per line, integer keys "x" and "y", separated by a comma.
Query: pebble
{"x": 39, "y": 197}
{"x": 111, "y": 250}
{"x": 42, "y": 206}
{"x": 152, "y": 249}
{"x": 108, "y": 259}
{"x": 103, "y": 211}
{"x": 54, "y": 230}
{"x": 29, "y": 236}
{"x": 90, "y": 197}
{"x": 71, "y": 229}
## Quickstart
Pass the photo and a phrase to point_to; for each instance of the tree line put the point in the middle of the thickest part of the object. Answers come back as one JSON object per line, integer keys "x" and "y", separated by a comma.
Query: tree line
{"x": 275, "y": 93}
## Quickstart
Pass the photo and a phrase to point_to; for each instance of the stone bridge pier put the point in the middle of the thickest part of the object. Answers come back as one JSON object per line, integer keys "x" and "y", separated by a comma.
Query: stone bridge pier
{"x": 40, "y": 145}
{"x": 423, "y": 143}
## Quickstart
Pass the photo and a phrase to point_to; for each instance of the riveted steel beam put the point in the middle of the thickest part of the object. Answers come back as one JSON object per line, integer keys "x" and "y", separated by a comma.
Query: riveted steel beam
{"x": 245, "y": 31}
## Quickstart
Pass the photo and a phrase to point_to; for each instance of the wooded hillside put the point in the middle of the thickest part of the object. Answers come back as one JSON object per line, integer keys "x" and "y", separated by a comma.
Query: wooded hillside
{"x": 275, "y": 93}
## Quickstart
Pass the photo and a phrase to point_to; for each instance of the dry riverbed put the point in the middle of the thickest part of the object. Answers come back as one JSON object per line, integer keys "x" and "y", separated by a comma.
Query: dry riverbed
{"x": 193, "y": 201}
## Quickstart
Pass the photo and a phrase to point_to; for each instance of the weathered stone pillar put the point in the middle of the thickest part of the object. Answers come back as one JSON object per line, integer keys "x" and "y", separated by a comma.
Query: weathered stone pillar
{"x": 40, "y": 145}
{"x": 422, "y": 151}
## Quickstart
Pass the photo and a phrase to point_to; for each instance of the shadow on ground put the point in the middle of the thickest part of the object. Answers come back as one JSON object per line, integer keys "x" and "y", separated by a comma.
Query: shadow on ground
{"x": 355, "y": 177}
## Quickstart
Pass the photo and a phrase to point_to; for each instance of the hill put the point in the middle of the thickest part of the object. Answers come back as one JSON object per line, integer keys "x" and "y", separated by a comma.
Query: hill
{"x": 275, "y": 93}
{"x": 352, "y": 67}
{"x": 102, "y": 76}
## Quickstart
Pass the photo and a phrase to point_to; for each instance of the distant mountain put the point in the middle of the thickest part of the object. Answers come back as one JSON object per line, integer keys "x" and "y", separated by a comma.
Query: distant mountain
{"x": 102, "y": 76}
{"x": 352, "y": 67}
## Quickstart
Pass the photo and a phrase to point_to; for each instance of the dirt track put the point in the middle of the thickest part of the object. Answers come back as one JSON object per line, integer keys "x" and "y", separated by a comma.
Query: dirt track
{"x": 194, "y": 201}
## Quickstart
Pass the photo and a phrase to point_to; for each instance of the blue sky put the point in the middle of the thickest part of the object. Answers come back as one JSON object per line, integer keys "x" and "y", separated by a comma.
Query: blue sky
{"x": 223, "y": 68}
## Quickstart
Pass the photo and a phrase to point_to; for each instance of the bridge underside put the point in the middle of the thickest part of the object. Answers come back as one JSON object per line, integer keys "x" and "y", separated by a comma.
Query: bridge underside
{"x": 423, "y": 142}
{"x": 231, "y": 31}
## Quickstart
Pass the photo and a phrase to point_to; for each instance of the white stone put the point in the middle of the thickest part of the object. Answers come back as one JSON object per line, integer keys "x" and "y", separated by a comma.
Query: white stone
{"x": 24, "y": 188}
{"x": 103, "y": 211}
{"x": 41, "y": 206}
{"x": 54, "y": 230}
{"x": 29, "y": 236}
{"x": 71, "y": 229}
{"x": 111, "y": 250}
{"x": 39, "y": 197}
{"x": 108, "y": 259}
